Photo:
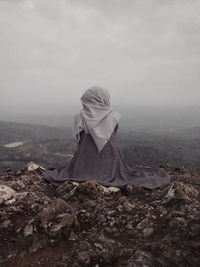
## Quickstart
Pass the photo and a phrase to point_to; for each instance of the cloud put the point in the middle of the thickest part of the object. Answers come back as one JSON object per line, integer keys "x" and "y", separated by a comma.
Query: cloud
{"x": 144, "y": 51}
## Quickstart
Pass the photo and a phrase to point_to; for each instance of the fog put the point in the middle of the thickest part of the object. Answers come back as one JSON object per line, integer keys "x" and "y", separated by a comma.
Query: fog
{"x": 145, "y": 52}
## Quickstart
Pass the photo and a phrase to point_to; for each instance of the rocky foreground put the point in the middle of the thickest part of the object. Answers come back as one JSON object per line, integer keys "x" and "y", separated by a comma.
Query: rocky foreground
{"x": 90, "y": 225}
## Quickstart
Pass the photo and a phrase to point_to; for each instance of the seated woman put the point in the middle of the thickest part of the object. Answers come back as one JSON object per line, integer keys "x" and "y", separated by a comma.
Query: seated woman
{"x": 98, "y": 156}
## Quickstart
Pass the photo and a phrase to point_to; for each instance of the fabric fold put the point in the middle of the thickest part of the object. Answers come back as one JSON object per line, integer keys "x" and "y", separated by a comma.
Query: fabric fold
{"x": 96, "y": 117}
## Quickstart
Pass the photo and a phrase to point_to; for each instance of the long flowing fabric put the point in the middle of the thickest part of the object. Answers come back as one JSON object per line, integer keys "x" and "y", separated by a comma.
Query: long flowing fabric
{"x": 108, "y": 167}
{"x": 98, "y": 156}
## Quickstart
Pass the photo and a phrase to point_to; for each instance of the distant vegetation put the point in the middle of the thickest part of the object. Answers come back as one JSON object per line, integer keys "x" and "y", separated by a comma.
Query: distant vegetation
{"x": 11, "y": 132}
{"x": 51, "y": 146}
{"x": 45, "y": 145}
{"x": 181, "y": 147}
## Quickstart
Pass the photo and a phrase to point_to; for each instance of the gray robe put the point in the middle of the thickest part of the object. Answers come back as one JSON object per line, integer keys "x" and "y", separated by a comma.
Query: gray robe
{"x": 107, "y": 168}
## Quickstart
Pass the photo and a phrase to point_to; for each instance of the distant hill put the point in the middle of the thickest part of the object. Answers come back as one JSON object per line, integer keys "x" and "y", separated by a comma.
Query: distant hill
{"x": 188, "y": 133}
{"x": 52, "y": 146}
{"x": 12, "y": 132}
{"x": 49, "y": 146}
{"x": 181, "y": 147}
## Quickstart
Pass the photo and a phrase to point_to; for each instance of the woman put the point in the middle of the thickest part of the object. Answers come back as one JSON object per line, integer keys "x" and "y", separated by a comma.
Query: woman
{"x": 98, "y": 156}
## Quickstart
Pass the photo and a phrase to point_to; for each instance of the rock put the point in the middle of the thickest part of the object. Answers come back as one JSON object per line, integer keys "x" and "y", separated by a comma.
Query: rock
{"x": 31, "y": 166}
{"x": 195, "y": 229}
{"x": 7, "y": 195}
{"x": 18, "y": 185}
{"x": 180, "y": 169}
{"x": 142, "y": 224}
{"x": 134, "y": 189}
{"x": 83, "y": 216}
{"x": 167, "y": 165}
{"x": 128, "y": 206}
{"x": 195, "y": 244}
{"x": 127, "y": 252}
{"x": 107, "y": 255}
{"x": 180, "y": 191}
{"x": 175, "y": 213}
{"x": 84, "y": 257}
{"x": 141, "y": 259}
{"x": 28, "y": 230}
{"x": 123, "y": 199}
{"x": 51, "y": 210}
{"x": 67, "y": 188}
{"x": 110, "y": 190}
{"x": 67, "y": 221}
{"x": 91, "y": 189}
{"x": 88, "y": 224}
{"x": 91, "y": 203}
{"x": 125, "y": 204}
{"x": 8, "y": 170}
{"x": 39, "y": 242}
{"x": 185, "y": 191}
{"x": 5, "y": 224}
{"x": 178, "y": 222}
{"x": 170, "y": 194}
{"x": 148, "y": 232}
{"x": 56, "y": 216}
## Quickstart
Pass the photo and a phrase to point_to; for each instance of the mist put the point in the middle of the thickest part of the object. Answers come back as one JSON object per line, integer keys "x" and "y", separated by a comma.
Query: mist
{"x": 145, "y": 52}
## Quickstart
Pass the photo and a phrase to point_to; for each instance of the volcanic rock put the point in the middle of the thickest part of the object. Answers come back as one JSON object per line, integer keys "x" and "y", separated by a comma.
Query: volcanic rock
{"x": 7, "y": 195}
{"x": 88, "y": 224}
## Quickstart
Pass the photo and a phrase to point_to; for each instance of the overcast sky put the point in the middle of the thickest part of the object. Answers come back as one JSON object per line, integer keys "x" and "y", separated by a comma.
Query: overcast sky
{"x": 143, "y": 51}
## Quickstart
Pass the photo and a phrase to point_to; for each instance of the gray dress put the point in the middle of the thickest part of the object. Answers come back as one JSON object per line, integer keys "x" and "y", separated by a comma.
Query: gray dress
{"x": 107, "y": 168}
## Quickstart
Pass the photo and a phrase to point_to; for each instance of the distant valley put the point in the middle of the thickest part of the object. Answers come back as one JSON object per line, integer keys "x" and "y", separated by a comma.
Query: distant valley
{"x": 21, "y": 143}
{"x": 48, "y": 146}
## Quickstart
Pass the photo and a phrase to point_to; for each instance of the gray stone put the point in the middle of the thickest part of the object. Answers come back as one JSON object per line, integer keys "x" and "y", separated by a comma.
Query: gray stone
{"x": 7, "y": 195}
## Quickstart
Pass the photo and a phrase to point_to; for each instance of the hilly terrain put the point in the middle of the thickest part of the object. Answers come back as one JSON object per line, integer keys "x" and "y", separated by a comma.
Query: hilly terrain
{"x": 177, "y": 147}
{"x": 54, "y": 146}
{"x": 46, "y": 145}
{"x": 88, "y": 224}
{"x": 12, "y": 131}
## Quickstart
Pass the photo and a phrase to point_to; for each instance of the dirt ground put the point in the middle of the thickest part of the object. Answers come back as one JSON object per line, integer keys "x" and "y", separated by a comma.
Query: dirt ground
{"x": 90, "y": 225}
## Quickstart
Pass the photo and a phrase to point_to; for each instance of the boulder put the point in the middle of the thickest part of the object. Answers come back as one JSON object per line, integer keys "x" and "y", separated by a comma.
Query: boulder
{"x": 7, "y": 195}
{"x": 31, "y": 166}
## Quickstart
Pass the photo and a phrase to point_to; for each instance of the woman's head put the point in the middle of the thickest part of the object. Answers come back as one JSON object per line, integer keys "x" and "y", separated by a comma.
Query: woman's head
{"x": 96, "y": 96}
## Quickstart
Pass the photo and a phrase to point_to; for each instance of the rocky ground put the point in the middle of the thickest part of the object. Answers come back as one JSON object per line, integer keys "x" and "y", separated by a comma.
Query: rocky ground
{"x": 90, "y": 225}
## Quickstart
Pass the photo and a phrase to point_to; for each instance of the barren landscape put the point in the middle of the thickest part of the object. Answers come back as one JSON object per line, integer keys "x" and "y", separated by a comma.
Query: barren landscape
{"x": 90, "y": 225}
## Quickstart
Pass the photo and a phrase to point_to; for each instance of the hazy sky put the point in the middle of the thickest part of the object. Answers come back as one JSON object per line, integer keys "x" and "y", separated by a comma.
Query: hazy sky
{"x": 143, "y": 51}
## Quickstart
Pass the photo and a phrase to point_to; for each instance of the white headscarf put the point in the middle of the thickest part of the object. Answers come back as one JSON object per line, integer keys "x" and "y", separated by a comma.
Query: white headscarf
{"x": 96, "y": 117}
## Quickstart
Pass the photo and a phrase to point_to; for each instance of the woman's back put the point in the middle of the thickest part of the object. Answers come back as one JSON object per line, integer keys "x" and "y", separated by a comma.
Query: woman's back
{"x": 98, "y": 156}
{"x": 107, "y": 167}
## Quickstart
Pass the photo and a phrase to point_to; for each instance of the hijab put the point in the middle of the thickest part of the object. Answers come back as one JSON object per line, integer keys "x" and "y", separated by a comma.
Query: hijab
{"x": 96, "y": 117}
